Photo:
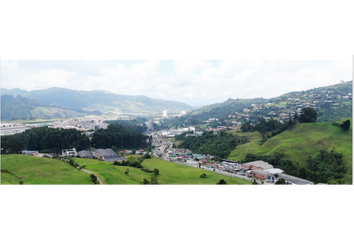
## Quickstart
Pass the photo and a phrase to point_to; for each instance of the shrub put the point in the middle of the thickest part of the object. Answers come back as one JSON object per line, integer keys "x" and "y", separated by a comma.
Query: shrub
{"x": 147, "y": 170}
{"x": 222, "y": 181}
{"x": 146, "y": 181}
{"x": 156, "y": 172}
{"x": 153, "y": 180}
{"x": 203, "y": 175}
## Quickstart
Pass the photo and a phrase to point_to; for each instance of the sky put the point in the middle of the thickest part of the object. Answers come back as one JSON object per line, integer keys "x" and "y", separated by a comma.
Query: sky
{"x": 194, "y": 82}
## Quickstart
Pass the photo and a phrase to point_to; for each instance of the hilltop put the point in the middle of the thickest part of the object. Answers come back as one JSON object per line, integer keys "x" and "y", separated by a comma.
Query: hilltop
{"x": 333, "y": 103}
{"x": 36, "y": 170}
{"x": 297, "y": 144}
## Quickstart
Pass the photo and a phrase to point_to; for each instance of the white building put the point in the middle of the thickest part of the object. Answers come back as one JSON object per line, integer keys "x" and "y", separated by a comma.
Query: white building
{"x": 164, "y": 113}
{"x": 69, "y": 152}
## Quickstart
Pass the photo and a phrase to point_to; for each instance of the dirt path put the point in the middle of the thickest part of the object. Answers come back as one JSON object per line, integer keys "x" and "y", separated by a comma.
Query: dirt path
{"x": 98, "y": 179}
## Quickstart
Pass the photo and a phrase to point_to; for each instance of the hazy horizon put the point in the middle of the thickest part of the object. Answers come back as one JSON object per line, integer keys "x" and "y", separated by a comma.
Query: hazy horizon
{"x": 195, "y": 83}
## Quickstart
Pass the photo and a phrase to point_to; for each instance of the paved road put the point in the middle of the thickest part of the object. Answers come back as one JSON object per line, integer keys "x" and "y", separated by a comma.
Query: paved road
{"x": 195, "y": 164}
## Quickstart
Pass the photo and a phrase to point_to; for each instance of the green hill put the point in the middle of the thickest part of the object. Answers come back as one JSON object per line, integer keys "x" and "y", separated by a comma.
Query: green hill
{"x": 36, "y": 170}
{"x": 304, "y": 140}
{"x": 170, "y": 173}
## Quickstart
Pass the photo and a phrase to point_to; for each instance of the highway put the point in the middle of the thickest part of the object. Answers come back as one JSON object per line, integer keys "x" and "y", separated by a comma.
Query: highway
{"x": 13, "y": 130}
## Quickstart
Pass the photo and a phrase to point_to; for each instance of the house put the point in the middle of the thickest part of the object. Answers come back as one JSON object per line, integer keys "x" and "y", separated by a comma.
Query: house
{"x": 141, "y": 152}
{"x": 33, "y": 153}
{"x": 69, "y": 152}
{"x": 125, "y": 151}
{"x": 85, "y": 154}
{"x": 263, "y": 175}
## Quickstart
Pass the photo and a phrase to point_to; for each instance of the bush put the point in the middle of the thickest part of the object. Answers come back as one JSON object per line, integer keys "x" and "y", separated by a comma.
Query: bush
{"x": 222, "y": 181}
{"x": 345, "y": 125}
{"x": 153, "y": 180}
{"x": 146, "y": 181}
{"x": 147, "y": 170}
{"x": 203, "y": 175}
{"x": 156, "y": 172}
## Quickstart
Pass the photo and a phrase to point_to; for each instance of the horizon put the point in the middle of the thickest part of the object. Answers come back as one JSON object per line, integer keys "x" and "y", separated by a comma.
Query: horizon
{"x": 193, "y": 82}
{"x": 105, "y": 91}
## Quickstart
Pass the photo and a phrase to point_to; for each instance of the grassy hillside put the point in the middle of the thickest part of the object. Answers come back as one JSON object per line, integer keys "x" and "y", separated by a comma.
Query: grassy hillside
{"x": 170, "y": 173}
{"x": 304, "y": 140}
{"x": 35, "y": 170}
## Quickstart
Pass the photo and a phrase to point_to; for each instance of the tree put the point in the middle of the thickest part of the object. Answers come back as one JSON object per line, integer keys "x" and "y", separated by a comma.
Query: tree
{"x": 296, "y": 118}
{"x": 281, "y": 182}
{"x": 345, "y": 125}
{"x": 153, "y": 180}
{"x": 308, "y": 114}
{"x": 146, "y": 181}
{"x": 254, "y": 182}
{"x": 156, "y": 172}
{"x": 222, "y": 181}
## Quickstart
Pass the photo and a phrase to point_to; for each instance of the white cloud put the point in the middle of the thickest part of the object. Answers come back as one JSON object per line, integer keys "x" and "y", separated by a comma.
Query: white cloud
{"x": 193, "y": 82}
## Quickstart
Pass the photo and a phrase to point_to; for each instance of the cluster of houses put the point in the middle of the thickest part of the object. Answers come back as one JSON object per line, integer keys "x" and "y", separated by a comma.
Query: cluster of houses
{"x": 261, "y": 170}
{"x": 295, "y": 101}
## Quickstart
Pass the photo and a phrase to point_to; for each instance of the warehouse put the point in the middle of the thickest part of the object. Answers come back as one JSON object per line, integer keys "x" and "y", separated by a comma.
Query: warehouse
{"x": 259, "y": 165}
{"x": 108, "y": 155}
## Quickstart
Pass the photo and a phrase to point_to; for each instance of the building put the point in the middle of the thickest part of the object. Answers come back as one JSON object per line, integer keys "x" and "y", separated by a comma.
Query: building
{"x": 108, "y": 155}
{"x": 85, "y": 154}
{"x": 263, "y": 175}
{"x": 259, "y": 165}
{"x": 291, "y": 180}
{"x": 33, "y": 153}
{"x": 164, "y": 113}
{"x": 69, "y": 152}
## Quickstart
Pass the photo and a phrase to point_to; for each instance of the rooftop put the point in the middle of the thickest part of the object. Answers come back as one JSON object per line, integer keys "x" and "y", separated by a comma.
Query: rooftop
{"x": 295, "y": 180}
{"x": 261, "y": 164}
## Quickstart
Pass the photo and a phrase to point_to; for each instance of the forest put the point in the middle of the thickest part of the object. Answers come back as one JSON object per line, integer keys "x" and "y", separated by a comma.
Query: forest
{"x": 219, "y": 145}
{"x": 45, "y": 139}
{"x": 326, "y": 167}
{"x": 119, "y": 136}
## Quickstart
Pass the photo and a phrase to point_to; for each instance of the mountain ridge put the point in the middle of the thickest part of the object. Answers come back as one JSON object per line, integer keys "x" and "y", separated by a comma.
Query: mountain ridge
{"x": 94, "y": 100}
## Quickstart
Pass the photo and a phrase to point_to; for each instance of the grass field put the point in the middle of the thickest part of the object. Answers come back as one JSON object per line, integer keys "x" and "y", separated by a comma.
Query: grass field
{"x": 304, "y": 140}
{"x": 170, "y": 173}
{"x": 36, "y": 170}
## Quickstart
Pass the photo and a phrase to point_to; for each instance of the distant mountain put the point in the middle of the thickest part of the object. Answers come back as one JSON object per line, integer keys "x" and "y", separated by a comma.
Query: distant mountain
{"x": 97, "y": 100}
{"x": 14, "y": 108}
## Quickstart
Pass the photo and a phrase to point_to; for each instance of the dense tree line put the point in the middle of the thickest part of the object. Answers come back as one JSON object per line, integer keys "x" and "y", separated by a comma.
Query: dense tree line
{"x": 137, "y": 124}
{"x": 219, "y": 145}
{"x": 326, "y": 167}
{"x": 120, "y": 136}
{"x": 53, "y": 139}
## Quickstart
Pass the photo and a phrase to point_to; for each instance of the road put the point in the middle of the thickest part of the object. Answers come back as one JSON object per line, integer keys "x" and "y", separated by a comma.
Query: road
{"x": 192, "y": 163}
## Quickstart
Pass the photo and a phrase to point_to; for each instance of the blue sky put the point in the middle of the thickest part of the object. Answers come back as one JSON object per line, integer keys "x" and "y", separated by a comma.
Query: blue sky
{"x": 194, "y": 82}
